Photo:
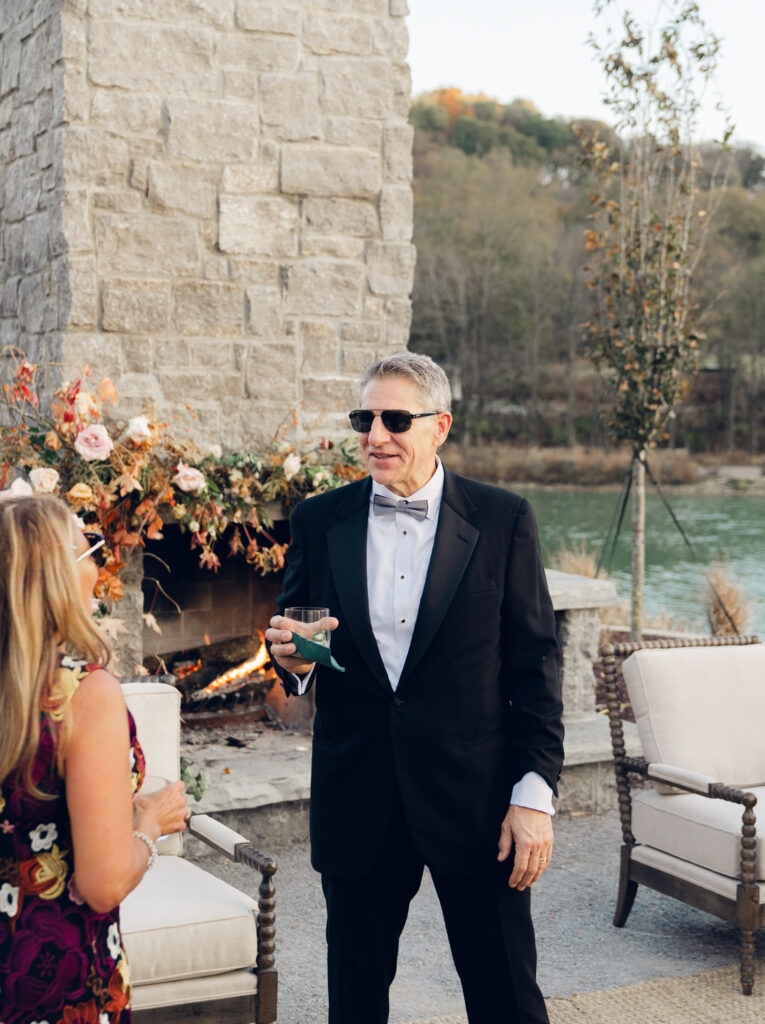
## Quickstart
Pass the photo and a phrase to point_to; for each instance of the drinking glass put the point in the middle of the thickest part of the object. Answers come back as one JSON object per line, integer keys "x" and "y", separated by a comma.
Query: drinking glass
{"x": 313, "y": 623}
{"x": 151, "y": 784}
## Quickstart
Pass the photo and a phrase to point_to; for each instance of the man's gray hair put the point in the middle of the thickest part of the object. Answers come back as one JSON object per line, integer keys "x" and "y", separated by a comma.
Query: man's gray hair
{"x": 430, "y": 380}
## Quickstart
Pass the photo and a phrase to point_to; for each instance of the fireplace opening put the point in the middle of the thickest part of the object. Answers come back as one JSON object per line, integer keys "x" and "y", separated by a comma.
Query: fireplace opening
{"x": 208, "y": 636}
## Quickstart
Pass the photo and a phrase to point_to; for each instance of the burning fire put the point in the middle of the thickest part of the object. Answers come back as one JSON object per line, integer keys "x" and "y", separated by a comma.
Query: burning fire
{"x": 186, "y": 668}
{"x": 241, "y": 671}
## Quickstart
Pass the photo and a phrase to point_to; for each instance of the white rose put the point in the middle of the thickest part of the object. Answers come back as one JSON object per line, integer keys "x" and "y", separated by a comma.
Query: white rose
{"x": 215, "y": 450}
{"x": 138, "y": 430}
{"x": 189, "y": 479}
{"x": 292, "y": 465}
{"x": 19, "y": 487}
{"x": 44, "y": 481}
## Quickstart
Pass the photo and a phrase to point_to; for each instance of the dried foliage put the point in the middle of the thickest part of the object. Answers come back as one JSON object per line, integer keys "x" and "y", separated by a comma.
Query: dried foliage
{"x": 131, "y": 480}
{"x": 575, "y": 558}
{"x": 734, "y": 598}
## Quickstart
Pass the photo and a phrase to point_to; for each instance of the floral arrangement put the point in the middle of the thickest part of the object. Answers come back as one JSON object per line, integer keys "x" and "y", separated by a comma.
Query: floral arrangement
{"x": 128, "y": 480}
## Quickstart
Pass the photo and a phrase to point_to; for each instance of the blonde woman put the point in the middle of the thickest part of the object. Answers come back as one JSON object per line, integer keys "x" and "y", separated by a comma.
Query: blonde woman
{"x": 73, "y": 840}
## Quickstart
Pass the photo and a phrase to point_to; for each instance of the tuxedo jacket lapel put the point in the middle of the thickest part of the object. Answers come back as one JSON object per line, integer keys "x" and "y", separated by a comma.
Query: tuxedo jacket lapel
{"x": 347, "y": 544}
{"x": 453, "y": 547}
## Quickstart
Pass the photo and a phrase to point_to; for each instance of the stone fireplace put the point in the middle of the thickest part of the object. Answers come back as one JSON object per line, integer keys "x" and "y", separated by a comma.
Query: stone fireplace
{"x": 210, "y": 202}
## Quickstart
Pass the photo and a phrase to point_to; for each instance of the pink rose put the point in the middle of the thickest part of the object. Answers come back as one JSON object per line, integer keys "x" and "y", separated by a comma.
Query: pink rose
{"x": 93, "y": 443}
{"x": 189, "y": 479}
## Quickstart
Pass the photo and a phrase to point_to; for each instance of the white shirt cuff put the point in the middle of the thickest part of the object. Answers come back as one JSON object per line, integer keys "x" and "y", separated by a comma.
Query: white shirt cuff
{"x": 533, "y": 792}
{"x": 303, "y": 682}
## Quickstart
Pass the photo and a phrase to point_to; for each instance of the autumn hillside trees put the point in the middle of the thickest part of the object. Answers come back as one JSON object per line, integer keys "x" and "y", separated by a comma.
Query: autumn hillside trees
{"x": 501, "y": 211}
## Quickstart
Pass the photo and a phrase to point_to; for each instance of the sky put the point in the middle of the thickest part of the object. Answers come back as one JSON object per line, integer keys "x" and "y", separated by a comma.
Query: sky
{"x": 536, "y": 49}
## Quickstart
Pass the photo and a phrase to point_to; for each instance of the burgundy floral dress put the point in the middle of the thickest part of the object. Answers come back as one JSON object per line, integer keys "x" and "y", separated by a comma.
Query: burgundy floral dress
{"x": 60, "y": 961}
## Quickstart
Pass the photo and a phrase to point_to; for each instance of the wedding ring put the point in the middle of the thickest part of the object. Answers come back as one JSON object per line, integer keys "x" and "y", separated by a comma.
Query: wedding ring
{"x": 543, "y": 860}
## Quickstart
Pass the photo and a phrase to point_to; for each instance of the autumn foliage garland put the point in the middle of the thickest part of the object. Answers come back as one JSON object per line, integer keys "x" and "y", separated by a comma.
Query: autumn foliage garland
{"x": 129, "y": 480}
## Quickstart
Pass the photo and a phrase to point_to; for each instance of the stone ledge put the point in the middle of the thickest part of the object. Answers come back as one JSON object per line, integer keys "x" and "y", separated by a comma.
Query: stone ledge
{"x": 275, "y": 769}
{"x": 587, "y": 783}
{"x": 569, "y": 591}
{"x": 588, "y": 740}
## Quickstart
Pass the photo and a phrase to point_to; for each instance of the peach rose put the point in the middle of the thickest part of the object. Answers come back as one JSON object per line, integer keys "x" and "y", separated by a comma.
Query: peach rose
{"x": 80, "y": 495}
{"x": 93, "y": 443}
{"x": 44, "y": 480}
{"x": 189, "y": 479}
{"x": 52, "y": 441}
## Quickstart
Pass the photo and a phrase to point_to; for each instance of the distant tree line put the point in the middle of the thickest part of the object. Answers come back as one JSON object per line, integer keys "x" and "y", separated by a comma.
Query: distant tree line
{"x": 502, "y": 205}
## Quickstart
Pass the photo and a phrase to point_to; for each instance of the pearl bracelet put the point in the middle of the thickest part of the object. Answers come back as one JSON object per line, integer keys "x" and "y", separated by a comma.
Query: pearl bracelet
{"x": 151, "y": 845}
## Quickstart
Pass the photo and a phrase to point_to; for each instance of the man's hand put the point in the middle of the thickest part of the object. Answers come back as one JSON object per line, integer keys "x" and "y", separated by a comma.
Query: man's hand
{"x": 532, "y": 833}
{"x": 279, "y": 635}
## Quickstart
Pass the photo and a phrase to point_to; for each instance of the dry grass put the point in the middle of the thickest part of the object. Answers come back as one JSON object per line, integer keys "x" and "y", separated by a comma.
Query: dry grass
{"x": 733, "y": 596}
{"x": 578, "y": 559}
{"x": 579, "y": 465}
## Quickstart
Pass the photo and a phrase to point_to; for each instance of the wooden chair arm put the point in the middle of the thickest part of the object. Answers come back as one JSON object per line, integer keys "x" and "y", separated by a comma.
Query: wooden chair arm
{"x": 681, "y": 778}
{"x": 239, "y": 849}
{"x": 230, "y": 843}
{"x": 690, "y": 782}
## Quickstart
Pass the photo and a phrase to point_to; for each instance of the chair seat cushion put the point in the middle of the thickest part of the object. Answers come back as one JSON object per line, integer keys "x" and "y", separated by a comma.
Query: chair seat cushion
{"x": 181, "y": 922}
{"x": 697, "y": 829}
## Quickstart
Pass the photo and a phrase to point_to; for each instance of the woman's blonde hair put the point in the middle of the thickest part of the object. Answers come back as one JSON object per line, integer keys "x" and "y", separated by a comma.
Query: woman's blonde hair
{"x": 41, "y": 615}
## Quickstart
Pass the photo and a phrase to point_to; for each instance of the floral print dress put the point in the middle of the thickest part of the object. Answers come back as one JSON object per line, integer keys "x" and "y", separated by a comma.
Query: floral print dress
{"x": 60, "y": 961}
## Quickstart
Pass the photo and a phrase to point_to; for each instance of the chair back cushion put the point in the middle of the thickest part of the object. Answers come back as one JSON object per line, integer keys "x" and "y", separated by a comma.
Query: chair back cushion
{"x": 702, "y": 709}
{"x": 156, "y": 708}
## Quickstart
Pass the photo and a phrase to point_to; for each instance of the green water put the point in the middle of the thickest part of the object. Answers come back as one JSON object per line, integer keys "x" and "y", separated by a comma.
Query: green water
{"x": 732, "y": 527}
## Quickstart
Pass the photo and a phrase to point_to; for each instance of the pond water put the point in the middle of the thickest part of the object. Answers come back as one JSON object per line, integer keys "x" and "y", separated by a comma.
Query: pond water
{"x": 730, "y": 527}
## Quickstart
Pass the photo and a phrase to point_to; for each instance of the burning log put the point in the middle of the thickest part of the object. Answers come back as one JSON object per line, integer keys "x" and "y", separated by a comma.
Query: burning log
{"x": 224, "y": 681}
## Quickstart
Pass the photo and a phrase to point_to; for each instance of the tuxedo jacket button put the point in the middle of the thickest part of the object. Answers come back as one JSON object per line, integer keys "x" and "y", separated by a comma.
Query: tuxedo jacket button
{"x": 398, "y": 701}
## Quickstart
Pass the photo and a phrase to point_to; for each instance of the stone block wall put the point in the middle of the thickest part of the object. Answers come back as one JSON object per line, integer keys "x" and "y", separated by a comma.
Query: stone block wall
{"x": 34, "y": 291}
{"x": 209, "y": 201}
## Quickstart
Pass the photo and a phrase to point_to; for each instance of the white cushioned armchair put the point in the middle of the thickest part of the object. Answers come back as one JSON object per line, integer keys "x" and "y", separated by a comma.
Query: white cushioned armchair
{"x": 197, "y": 947}
{"x": 699, "y": 706}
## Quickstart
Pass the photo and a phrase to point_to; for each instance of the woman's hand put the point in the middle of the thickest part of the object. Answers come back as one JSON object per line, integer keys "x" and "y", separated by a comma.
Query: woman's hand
{"x": 163, "y": 811}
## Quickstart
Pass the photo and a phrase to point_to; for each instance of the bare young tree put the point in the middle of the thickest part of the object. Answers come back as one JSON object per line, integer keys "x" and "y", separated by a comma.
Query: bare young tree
{"x": 647, "y": 232}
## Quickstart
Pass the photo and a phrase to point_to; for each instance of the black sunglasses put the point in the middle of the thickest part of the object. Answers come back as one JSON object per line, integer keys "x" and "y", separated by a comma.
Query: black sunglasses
{"x": 397, "y": 421}
{"x": 96, "y": 550}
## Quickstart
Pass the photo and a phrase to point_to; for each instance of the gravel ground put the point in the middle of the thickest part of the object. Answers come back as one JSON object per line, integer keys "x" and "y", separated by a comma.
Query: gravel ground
{"x": 579, "y": 949}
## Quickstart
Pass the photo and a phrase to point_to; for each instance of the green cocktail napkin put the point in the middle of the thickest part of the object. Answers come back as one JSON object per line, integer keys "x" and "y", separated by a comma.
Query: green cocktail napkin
{"x": 314, "y": 652}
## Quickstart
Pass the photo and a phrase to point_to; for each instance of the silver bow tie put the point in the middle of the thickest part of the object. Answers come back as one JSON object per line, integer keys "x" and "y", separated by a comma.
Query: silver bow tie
{"x": 387, "y": 506}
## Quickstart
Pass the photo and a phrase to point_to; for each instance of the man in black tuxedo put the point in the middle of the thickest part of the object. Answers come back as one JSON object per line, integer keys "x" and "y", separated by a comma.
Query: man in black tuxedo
{"x": 441, "y": 744}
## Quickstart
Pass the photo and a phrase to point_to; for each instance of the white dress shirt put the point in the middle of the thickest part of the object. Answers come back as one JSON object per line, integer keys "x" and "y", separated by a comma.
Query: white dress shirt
{"x": 399, "y": 547}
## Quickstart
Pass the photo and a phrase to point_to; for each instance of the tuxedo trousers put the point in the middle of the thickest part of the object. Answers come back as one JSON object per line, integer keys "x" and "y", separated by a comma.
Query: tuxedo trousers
{"x": 488, "y": 925}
